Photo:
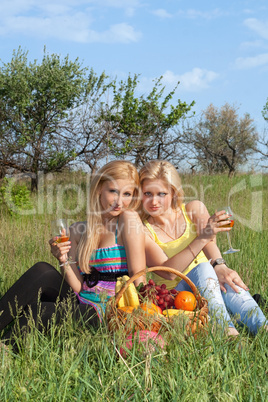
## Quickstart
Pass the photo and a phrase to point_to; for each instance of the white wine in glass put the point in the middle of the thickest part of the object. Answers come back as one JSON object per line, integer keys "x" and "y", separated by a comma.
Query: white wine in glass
{"x": 229, "y": 225}
{"x": 60, "y": 228}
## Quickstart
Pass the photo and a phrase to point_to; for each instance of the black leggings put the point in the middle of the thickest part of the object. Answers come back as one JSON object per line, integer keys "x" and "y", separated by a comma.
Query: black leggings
{"x": 41, "y": 283}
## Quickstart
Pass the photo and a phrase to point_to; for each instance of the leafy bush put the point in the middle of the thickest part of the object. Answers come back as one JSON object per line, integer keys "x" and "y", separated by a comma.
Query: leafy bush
{"x": 14, "y": 197}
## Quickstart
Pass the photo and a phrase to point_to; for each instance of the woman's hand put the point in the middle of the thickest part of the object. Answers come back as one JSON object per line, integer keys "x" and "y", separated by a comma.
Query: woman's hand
{"x": 229, "y": 276}
{"x": 215, "y": 225}
{"x": 60, "y": 250}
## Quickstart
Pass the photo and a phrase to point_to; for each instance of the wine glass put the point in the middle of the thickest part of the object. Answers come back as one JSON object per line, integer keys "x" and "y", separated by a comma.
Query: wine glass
{"x": 60, "y": 228}
{"x": 229, "y": 225}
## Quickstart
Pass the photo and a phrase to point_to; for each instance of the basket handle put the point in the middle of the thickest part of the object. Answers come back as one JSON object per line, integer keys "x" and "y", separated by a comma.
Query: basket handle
{"x": 158, "y": 268}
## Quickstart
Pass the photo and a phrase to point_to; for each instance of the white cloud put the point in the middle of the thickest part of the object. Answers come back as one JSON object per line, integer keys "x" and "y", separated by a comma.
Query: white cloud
{"x": 242, "y": 63}
{"x": 115, "y": 3}
{"x": 260, "y": 27}
{"x": 16, "y": 6}
{"x": 193, "y": 80}
{"x": 73, "y": 28}
{"x": 63, "y": 27}
{"x": 129, "y": 6}
{"x": 248, "y": 11}
{"x": 161, "y": 13}
{"x": 253, "y": 44}
{"x": 19, "y": 7}
{"x": 54, "y": 9}
{"x": 61, "y": 20}
{"x": 120, "y": 33}
{"x": 208, "y": 15}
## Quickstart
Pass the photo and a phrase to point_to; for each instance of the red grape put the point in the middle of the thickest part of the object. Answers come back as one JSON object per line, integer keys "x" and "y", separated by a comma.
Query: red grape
{"x": 159, "y": 295}
{"x": 165, "y": 292}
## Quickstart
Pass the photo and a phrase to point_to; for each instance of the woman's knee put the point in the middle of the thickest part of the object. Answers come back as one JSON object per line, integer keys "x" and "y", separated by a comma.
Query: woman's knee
{"x": 44, "y": 271}
{"x": 205, "y": 269}
{"x": 45, "y": 276}
{"x": 204, "y": 276}
{"x": 42, "y": 267}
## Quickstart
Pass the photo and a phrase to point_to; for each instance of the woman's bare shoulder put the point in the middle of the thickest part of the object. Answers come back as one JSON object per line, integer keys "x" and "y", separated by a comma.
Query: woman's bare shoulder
{"x": 147, "y": 232}
{"x": 130, "y": 216}
{"x": 195, "y": 208}
{"x": 130, "y": 213}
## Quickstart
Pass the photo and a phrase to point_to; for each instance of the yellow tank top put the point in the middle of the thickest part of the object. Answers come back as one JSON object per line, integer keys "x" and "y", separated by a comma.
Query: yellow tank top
{"x": 175, "y": 246}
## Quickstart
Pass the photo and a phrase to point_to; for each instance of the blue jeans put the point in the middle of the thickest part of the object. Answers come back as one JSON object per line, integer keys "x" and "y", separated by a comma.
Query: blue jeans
{"x": 241, "y": 306}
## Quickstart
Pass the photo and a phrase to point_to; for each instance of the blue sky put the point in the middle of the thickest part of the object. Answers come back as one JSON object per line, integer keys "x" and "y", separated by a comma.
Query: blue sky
{"x": 218, "y": 50}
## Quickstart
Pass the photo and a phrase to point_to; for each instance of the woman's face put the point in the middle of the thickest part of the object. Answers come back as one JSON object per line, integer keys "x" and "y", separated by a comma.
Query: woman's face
{"x": 156, "y": 197}
{"x": 116, "y": 196}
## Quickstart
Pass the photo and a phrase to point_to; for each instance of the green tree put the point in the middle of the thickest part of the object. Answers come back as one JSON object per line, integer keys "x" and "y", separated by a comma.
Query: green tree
{"x": 85, "y": 129}
{"x": 140, "y": 127}
{"x": 221, "y": 140}
{"x": 263, "y": 139}
{"x": 265, "y": 111}
{"x": 35, "y": 98}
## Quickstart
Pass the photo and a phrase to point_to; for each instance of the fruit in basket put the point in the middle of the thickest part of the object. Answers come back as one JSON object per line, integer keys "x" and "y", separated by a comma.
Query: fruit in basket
{"x": 156, "y": 308}
{"x": 148, "y": 291}
{"x": 121, "y": 302}
{"x": 127, "y": 309}
{"x": 151, "y": 308}
{"x": 158, "y": 295}
{"x": 174, "y": 311}
{"x": 185, "y": 300}
{"x": 130, "y": 296}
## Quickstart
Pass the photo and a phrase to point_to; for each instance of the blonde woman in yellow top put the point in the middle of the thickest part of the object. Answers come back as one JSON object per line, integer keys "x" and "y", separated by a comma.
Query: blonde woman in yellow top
{"x": 182, "y": 236}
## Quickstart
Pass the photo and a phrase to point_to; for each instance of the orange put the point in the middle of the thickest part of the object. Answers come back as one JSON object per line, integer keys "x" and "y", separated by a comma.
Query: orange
{"x": 148, "y": 308}
{"x": 185, "y": 301}
{"x": 127, "y": 309}
{"x": 156, "y": 308}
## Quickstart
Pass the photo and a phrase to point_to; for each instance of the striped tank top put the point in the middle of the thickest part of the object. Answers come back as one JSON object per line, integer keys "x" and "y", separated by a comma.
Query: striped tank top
{"x": 108, "y": 264}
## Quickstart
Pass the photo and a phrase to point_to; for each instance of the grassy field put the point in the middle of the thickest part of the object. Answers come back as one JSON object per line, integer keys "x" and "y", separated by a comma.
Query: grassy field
{"x": 75, "y": 363}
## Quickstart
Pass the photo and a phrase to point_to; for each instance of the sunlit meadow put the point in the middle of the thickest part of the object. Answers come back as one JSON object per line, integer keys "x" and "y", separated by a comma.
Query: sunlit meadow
{"x": 76, "y": 363}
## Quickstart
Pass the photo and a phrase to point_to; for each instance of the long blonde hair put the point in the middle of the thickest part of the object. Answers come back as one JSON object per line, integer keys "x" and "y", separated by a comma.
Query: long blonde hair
{"x": 162, "y": 170}
{"x": 90, "y": 239}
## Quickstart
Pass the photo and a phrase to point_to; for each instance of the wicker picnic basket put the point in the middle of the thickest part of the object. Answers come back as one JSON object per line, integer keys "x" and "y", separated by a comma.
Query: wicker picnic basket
{"x": 118, "y": 319}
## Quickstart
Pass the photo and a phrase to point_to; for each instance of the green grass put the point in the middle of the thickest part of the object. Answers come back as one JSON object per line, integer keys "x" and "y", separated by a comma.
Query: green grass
{"x": 76, "y": 363}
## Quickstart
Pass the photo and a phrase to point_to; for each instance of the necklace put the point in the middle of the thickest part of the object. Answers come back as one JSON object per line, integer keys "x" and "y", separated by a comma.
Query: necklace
{"x": 174, "y": 229}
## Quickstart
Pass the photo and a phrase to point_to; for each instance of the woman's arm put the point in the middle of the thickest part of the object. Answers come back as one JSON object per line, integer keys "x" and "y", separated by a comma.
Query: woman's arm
{"x": 200, "y": 216}
{"x": 62, "y": 251}
{"x": 133, "y": 238}
{"x": 208, "y": 228}
{"x": 156, "y": 256}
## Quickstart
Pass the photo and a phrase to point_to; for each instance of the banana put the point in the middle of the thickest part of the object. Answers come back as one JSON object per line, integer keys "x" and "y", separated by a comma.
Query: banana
{"x": 125, "y": 278}
{"x": 118, "y": 286}
{"x": 173, "y": 311}
{"x": 131, "y": 294}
